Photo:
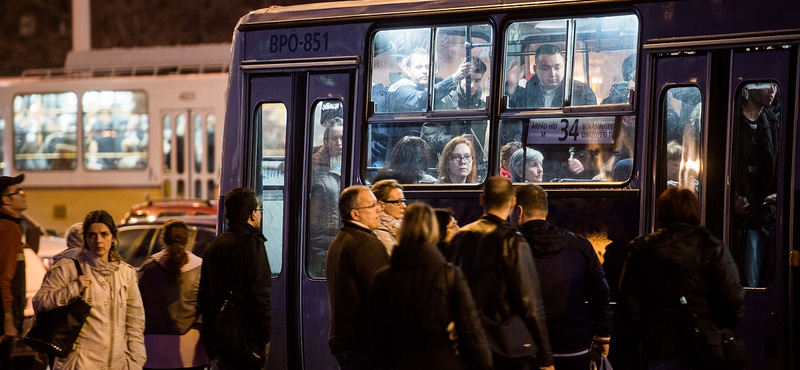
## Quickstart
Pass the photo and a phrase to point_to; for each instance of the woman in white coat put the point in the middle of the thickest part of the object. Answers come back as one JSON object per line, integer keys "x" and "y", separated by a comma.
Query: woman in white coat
{"x": 113, "y": 335}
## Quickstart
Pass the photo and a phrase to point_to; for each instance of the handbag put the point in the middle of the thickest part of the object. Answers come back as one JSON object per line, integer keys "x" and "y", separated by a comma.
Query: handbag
{"x": 601, "y": 364}
{"x": 230, "y": 340}
{"x": 715, "y": 347}
{"x": 54, "y": 331}
{"x": 510, "y": 338}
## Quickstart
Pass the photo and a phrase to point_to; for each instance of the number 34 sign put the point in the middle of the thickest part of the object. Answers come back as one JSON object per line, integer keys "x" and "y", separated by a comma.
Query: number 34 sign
{"x": 582, "y": 130}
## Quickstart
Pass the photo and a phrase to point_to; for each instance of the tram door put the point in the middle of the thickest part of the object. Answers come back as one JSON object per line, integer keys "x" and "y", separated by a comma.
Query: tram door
{"x": 299, "y": 130}
{"x": 721, "y": 114}
{"x": 190, "y": 165}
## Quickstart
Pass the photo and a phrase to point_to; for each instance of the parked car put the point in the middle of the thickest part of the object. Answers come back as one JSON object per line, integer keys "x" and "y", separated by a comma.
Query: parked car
{"x": 139, "y": 240}
{"x": 152, "y": 209}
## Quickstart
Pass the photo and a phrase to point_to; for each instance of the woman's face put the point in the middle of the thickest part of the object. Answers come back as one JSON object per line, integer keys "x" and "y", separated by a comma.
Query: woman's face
{"x": 460, "y": 164}
{"x": 534, "y": 172}
{"x": 99, "y": 239}
{"x": 334, "y": 141}
{"x": 452, "y": 229}
{"x": 395, "y": 205}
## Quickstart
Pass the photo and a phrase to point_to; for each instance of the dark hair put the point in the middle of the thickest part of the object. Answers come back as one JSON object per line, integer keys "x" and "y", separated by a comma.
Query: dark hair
{"x": 677, "y": 205}
{"x": 532, "y": 198}
{"x": 478, "y": 66}
{"x": 443, "y": 216}
{"x": 546, "y": 49}
{"x": 240, "y": 204}
{"x": 102, "y": 217}
{"x": 419, "y": 225}
{"x": 348, "y": 200}
{"x": 508, "y": 149}
{"x": 410, "y": 156}
{"x": 497, "y": 191}
{"x": 629, "y": 67}
{"x": 175, "y": 235}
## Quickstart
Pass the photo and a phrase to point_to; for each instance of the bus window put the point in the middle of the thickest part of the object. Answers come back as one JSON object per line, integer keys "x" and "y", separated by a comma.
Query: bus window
{"x": 682, "y": 153}
{"x": 754, "y": 176}
{"x": 599, "y": 62}
{"x": 45, "y": 131}
{"x": 115, "y": 129}
{"x": 272, "y": 117}
{"x": 325, "y": 185}
{"x": 580, "y": 149}
{"x": 454, "y": 71}
{"x": 404, "y": 88}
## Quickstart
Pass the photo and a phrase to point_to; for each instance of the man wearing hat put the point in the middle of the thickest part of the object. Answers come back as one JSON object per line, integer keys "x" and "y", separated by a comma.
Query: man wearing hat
{"x": 12, "y": 264}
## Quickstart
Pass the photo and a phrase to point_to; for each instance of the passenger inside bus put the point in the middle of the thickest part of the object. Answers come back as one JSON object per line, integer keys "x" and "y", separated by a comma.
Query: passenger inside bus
{"x": 506, "y": 152}
{"x": 619, "y": 93}
{"x": 410, "y": 94}
{"x": 526, "y": 165}
{"x": 408, "y": 163}
{"x": 457, "y": 163}
{"x": 546, "y": 87}
{"x": 326, "y": 181}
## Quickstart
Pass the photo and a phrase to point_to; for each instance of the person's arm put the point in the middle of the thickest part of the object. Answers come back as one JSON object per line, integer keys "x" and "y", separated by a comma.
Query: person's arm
{"x": 8, "y": 267}
{"x": 257, "y": 272}
{"x": 725, "y": 287}
{"x": 134, "y": 324}
{"x": 597, "y": 294}
{"x": 59, "y": 287}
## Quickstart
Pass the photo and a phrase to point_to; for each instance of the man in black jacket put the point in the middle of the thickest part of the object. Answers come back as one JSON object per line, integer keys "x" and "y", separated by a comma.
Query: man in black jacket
{"x": 501, "y": 274}
{"x": 354, "y": 256}
{"x": 546, "y": 87}
{"x": 236, "y": 261}
{"x": 571, "y": 275}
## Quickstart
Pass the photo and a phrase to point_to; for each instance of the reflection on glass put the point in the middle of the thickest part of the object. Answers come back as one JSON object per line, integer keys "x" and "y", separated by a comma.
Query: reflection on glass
{"x": 400, "y": 70}
{"x": 271, "y": 118}
{"x": 45, "y": 131}
{"x": 115, "y": 125}
{"x": 325, "y": 186}
{"x": 755, "y": 181}
{"x": 683, "y": 109}
{"x": 459, "y": 73}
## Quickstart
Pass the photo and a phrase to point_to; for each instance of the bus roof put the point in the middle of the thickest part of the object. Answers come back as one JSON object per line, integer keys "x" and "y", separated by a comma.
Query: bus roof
{"x": 350, "y": 10}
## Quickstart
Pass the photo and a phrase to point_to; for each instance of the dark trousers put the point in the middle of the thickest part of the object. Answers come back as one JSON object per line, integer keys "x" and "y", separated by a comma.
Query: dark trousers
{"x": 572, "y": 363}
{"x": 5, "y": 354}
{"x": 356, "y": 359}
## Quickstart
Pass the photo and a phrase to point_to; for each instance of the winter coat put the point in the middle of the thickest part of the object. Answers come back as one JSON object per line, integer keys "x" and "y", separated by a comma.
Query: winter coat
{"x": 112, "y": 337}
{"x": 170, "y": 307}
{"x": 678, "y": 260}
{"x": 323, "y": 210}
{"x": 512, "y": 284}
{"x": 355, "y": 255}
{"x": 570, "y": 276}
{"x": 582, "y": 94}
{"x": 412, "y": 303}
{"x": 387, "y": 232}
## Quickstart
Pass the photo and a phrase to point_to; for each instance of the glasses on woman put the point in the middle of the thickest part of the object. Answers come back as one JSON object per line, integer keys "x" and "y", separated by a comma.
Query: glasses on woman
{"x": 396, "y": 202}
{"x": 455, "y": 158}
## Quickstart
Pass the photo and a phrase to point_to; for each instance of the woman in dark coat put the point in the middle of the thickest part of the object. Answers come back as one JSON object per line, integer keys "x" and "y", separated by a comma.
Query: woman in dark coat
{"x": 419, "y": 301}
{"x": 679, "y": 259}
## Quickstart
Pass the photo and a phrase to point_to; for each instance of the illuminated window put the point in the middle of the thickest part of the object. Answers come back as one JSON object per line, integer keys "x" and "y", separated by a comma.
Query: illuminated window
{"x": 115, "y": 130}
{"x": 45, "y": 131}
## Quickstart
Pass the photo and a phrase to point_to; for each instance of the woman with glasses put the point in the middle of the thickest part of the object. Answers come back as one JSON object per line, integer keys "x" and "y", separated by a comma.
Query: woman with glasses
{"x": 448, "y": 227}
{"x": 389, "y": 194}
{"x": 457, "y": 163}
{"x": 420, "y": 300}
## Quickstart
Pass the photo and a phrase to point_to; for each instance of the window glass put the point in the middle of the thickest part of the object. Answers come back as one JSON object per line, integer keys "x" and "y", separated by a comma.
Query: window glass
{"x": 401, "y": 70}
{"x": 199, "y": 147}
{"x": 211, "y": 126}
{"x": 45, "y": 131}
{"x": 755, "y": 181}
{"x": 541, "y": 60}
{"x": 455, "y": 71}
{"x": 2, "y": 143}
{"x": 326, "y": 172}
{"x": 423, "y": 153}
{"x": 167, "y": 145}
{"x": 682, "y": 153}
{"x": 575, "y": 149}
{"x": 271, "y": 118}
{"x": 180, "y": 142}
{"x": 115, "y": 126}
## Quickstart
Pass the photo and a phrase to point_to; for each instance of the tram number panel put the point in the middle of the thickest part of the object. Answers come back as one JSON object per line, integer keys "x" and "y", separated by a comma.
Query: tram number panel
{"x": 583, "y": 130}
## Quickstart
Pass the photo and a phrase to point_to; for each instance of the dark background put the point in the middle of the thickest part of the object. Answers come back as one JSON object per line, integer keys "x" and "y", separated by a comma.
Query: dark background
{"x": 37, "y": 33}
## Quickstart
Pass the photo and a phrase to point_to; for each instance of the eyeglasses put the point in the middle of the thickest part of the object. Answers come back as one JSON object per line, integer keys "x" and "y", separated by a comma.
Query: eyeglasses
{"x": 19, "y": 191}
{"x": 373, "y": 205}
{"x": 396, "y": 202}
{"x": 260, "y": 209}
{"x": 455, "y": 158}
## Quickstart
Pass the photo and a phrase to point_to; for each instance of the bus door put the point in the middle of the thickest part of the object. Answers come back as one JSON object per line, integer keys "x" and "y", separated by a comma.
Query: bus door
{"x": 189, "y": 165}
{"x": 757, "y": 215}
{"x": 299, "y": 129}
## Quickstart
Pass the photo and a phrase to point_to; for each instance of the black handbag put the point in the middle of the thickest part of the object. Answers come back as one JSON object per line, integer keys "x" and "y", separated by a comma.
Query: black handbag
{"x": 510, "y": 338}
{"x": 231, "y": 342}
{"x": 54, "y": 331}
{"x": 715, "y": 347}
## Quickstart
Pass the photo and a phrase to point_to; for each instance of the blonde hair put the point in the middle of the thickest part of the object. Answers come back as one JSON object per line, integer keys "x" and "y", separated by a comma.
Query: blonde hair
{"x": 419, "y": 225}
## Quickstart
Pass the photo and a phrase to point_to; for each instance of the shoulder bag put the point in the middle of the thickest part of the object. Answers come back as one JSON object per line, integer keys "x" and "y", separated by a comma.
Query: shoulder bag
{"x": 231, "y": 342}
{"x": 54, "y": 331}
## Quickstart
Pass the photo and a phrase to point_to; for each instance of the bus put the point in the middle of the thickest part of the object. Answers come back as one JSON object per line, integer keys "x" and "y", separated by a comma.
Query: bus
{"x": 616, "y": 99}
{"x": 115, "y": 127}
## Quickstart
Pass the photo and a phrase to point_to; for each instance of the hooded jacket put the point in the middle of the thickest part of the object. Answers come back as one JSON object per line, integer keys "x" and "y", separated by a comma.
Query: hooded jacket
{"x": 678, "y": 260}
{"x": 570, "y": 275}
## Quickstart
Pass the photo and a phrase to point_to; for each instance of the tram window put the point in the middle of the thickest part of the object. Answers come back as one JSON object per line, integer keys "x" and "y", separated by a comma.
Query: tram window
{"x": 584, "y": 149}
{"x": 754, "y": 176}
{"x": 180, "y": 142}
{"x": 600, "y": 61}
{"x": 167, "y": 144}
{"x": 45, "y": 131}
{"x": 271, "y": 117}
{"x": 211, "y": 126}
{"x": 199, "y": 148}
{"x": 682, "y": 154}
{"x": 424, "y": 153}
{"x": 325, "y": 185}
{"x": 115, "y": 129}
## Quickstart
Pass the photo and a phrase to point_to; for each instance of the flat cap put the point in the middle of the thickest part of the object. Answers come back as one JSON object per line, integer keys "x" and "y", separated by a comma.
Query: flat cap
{"x": 6, "y": 181}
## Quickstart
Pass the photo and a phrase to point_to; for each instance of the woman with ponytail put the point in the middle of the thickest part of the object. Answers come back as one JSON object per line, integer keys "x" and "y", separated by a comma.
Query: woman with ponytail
{"x": 169, "y": 281}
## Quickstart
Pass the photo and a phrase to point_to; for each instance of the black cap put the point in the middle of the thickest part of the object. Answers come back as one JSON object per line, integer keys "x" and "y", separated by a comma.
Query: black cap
{"x": 6, "y": 181}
